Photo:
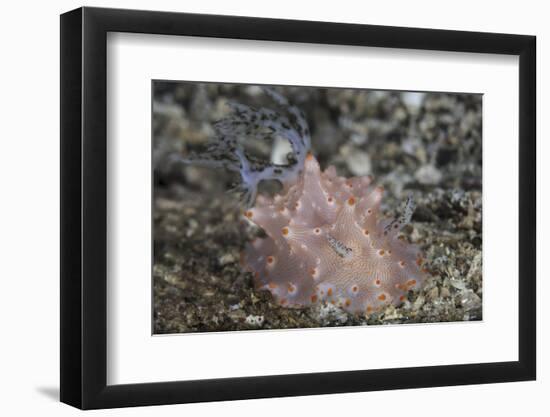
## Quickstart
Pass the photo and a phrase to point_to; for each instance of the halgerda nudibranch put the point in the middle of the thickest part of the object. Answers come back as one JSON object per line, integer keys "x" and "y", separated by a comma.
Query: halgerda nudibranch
{"x": 325, "y": 240}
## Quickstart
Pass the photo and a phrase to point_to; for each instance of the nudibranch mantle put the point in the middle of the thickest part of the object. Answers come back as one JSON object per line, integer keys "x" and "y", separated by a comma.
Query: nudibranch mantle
{"x": 326, "y": 242}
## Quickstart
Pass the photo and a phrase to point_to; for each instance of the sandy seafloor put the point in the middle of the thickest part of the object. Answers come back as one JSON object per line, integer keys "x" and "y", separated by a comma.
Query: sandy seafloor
{"x": 427, "y": 144}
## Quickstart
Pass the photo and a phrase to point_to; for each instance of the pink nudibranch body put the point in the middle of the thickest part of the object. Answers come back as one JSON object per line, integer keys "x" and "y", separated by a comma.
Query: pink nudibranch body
{"x": 326, "y": 242}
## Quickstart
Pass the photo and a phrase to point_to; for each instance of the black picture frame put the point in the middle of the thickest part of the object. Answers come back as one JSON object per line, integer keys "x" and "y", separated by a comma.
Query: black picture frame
{"x": 84, "y": 207}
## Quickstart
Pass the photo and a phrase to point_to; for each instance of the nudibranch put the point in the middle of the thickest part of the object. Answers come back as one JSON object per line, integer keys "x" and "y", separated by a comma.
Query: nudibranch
{"x": 325, "y": 239}
{"x": 325, "y": 242}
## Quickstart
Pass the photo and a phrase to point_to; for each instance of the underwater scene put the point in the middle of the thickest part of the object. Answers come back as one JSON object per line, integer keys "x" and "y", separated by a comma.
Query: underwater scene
{"x": 281, "y": 207}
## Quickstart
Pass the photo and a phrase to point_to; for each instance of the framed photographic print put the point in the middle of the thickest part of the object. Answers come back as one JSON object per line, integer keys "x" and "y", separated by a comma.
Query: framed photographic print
{"x": 258, "y": 207}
